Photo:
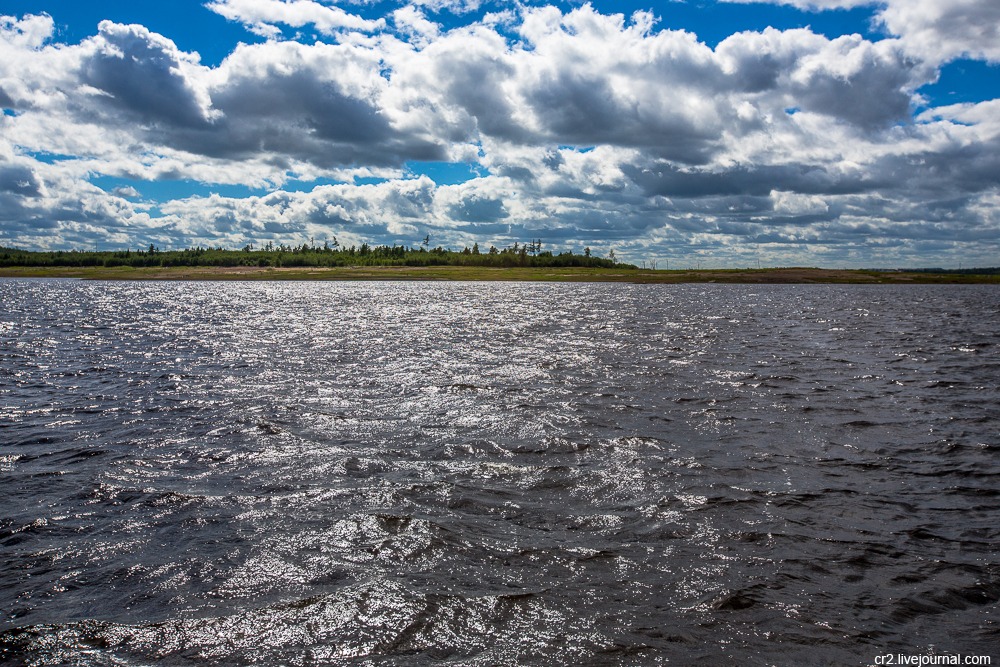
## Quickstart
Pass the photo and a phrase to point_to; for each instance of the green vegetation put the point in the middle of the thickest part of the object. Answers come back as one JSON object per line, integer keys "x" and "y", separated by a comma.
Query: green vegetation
{"x": 310, "y": 255}
{"x": 480, "y": 273}
{"x": 524, "y": 262}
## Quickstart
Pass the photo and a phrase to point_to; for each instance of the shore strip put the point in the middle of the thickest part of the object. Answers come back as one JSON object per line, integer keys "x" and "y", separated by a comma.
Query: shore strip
{"x": 472, "y": 273}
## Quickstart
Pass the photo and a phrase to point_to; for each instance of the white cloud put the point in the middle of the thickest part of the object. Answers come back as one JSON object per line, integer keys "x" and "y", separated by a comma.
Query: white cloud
{"x": 43, "y": 207}
{"x": 455, "y": 6}
{"x": 411, "y": 21}
{"x": 146, "y": 76}
{"x": 940, "y": 31}
{"x": 27, "y": 66}
{"x": 263, "y": 16}
{"x": 978, "y": 117}
{"x": 126, "y": 192}
{"x": 790, "y": 203}
{"x": 812, "y": 5}
{"x": 30, "y": 32}
{"x": 589, "y": 129}
{"x": 934, "y": 30}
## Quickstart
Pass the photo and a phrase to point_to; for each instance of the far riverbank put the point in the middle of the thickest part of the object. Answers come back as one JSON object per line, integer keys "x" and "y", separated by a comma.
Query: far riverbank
{"x": 471, "y": 273}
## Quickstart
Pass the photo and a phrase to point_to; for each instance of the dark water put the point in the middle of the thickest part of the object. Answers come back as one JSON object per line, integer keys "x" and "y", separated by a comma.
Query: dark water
{"x": 497, "y": 474}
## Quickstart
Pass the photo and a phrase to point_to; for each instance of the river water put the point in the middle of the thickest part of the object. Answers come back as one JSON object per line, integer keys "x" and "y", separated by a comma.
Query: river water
{"x": 497, "y": 473}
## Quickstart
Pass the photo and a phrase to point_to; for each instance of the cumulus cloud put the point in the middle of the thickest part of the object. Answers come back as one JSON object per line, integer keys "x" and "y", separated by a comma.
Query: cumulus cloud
{"x": 934, "y": 30}
{"x": 20, "y": 180}
{"x": 413, "y": 22}
{"x": 588, "y": 128}
{"x": 581, "y": 79}
{"x": 42, "y": 207}
{"x": 321, "y": 104}
{"x": 21, "y": 76}
{"x": 940, "y": 31}
{"x": 456, "y": 6}
{"x": 264, "y": 16}
{"x": 804, "y": 71}
{"x": 30, "y": 32}
{"x": 390, "y": 210}
{"x": 144, "y": 75}
{"x": 126, "y": 192}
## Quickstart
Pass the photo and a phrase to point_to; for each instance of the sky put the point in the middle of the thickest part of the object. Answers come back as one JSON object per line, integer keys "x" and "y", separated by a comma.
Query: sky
{"x": 835, "y": 133}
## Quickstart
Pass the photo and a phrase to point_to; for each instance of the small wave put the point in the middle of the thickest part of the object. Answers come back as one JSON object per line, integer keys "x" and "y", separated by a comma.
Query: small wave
{"x": 368, "y": 620}
{"x": 941, "y": 601}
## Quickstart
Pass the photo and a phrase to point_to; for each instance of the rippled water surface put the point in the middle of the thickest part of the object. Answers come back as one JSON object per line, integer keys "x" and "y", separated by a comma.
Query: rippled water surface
{"x": 497, "y": 473}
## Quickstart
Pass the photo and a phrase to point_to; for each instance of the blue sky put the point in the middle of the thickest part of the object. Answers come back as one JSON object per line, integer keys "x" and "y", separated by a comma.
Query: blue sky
{"x": 819, "y": 132}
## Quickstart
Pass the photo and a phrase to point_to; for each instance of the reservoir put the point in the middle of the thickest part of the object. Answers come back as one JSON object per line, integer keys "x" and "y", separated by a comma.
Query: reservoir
{"x": 377, "y": 473}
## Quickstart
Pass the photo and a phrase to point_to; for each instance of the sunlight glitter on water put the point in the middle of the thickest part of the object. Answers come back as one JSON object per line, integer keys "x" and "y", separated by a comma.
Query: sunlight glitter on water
{"x": 494, "y": 474}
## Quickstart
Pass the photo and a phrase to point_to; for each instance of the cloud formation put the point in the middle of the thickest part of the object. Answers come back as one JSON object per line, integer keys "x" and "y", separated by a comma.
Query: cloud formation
{"x": 587, "y": 129}
{"x": 264, "y": 17}
{"x": 930, "y": 29}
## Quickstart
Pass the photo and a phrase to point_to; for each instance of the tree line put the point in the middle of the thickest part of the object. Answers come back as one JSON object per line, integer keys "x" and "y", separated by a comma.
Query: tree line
{"x": 329, "y": 254}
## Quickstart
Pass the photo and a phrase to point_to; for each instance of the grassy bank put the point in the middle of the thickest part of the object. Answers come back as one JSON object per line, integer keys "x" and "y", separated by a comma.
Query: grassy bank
{"x": 540, "y": 274}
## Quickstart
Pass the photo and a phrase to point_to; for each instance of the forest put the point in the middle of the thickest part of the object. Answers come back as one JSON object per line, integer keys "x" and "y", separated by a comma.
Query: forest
{"x": 330, "y": 254}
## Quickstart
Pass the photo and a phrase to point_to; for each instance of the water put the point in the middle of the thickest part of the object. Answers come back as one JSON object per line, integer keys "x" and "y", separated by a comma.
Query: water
{"x": 497, "y": 474}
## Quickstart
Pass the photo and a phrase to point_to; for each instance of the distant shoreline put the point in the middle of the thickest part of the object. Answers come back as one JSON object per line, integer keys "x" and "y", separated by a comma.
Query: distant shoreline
{"x": 521, "y": 274}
